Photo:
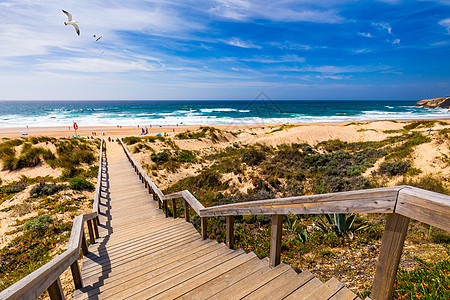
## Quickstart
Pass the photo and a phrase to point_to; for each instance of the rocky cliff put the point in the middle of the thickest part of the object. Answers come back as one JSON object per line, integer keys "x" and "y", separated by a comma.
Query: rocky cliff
{"x": 435, "y": 102}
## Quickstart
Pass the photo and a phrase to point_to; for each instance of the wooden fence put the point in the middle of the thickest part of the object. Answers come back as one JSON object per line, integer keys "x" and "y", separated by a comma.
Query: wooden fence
{"x": 47, "y": 276}
{"x": 400, "y": 203}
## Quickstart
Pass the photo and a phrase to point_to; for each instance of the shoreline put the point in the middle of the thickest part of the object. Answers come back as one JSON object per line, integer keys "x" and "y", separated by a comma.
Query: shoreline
{"x": 129, "y": 130}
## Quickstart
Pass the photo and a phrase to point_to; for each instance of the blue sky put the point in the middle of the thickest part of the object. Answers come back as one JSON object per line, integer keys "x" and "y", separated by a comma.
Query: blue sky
{"x": 225, "y": 49}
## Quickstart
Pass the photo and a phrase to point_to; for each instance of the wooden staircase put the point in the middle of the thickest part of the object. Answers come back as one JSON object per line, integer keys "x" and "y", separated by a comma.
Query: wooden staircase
{"x": 142, "y": 254}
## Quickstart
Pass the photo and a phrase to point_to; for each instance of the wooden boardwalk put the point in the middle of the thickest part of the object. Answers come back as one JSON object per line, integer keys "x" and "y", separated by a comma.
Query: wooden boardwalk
{"x": 141, "y": 254}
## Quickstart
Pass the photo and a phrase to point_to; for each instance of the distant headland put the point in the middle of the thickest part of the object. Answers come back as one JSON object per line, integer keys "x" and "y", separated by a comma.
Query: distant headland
{"x": 443, "y": 102}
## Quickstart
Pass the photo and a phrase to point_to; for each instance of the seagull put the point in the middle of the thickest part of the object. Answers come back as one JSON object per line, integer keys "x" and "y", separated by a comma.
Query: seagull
{"x": 71, "y": 22}
{"x": 97, "y": 38}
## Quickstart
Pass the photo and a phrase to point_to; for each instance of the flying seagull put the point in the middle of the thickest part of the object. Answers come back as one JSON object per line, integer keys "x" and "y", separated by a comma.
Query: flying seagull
{"x": 71, "y": 22}
{"x": 97, "y": 39}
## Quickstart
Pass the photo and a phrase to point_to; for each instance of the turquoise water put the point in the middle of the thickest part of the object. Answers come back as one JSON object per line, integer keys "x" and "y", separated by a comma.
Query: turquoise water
{"x": 127, "y": 113}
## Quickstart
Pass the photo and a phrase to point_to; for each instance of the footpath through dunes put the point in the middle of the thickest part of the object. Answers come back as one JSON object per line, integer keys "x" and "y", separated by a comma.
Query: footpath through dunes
{"x": 141, "y": 254}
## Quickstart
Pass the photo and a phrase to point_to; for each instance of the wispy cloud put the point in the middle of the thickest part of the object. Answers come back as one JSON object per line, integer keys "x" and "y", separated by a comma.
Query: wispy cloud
{"x": 446, "y": 24}
{"x": 386, "y": 27}
{"x": 271, "y": 60}
{"x": 364, "y": 34}
{"x": 275, "y": 11}
{"x": 383, "y": 26}
{"x": 240, "y": 43}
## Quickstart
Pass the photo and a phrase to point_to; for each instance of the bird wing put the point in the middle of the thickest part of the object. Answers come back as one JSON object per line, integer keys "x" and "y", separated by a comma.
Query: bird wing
{"x": 98, "y": 39}
{"x": 77, "y": 29}
{"x": 69, "y": 16}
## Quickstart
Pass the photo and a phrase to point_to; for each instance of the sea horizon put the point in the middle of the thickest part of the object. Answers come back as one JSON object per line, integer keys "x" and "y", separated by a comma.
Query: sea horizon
{"x": 58, "y": 113}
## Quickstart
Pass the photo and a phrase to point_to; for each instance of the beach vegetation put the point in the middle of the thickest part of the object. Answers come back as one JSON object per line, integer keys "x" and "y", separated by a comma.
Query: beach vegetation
{"x": 205, "y": 131}
{"x": 160, "y": 157}
{"x": 44, "y": 189}
{"x": 131, "y": 140}
{"x": 80, "y": 184}
{"x": 430, "y": 280}
{"x": 395, "y": 168}
{"x": 39, "y": 225}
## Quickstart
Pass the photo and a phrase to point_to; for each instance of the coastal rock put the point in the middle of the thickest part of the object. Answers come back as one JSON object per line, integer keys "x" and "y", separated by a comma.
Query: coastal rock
{"x": 443, "y": 102}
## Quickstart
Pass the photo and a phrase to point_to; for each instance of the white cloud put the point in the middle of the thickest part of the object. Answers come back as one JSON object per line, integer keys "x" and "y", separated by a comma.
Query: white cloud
{"x": 396, "y": 42}
{"x": 271, "y": 60}
{"x": 101, "y": 65}
{"x": 446, "y": 24}
{"x": 337, "y": 69}
{"x": 285, "y": 11}
{"x": 364, "y": 34}
{"x": 383, "y": 26}
{"x": 240, "y": 43}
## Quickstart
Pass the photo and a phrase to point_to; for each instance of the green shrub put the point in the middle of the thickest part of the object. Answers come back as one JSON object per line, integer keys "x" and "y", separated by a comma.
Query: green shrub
{"x": 428, "y": 281}
{"x": 253, "y": 157}
{"x": 80, "y": 184}
{"x": 15, "y": 188}
{"x": 427, "y": 183}
{"x": 130, "y": 140}
{"x": 395, "y": 168}
{"x": 440, "y": 237}
{"x": 39, "y": 225}
{"x": 44, "y": 189}
{"x": 186, "y": 156}
{"x": 160, "y": 158}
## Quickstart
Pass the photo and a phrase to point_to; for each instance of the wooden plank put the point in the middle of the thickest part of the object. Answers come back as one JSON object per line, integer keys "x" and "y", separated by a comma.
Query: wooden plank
{"x": 203, "y": 277}
{"x": 209, "y": 288}
{"x": 134, "y": 274}
{"x": 305, "y": 290}
{"x": 55, "y": 290}
{"x": 289, "y": 285}
{"x": 91, "y": 232}
{"x": 424, "y": 206}
{"x": 146, "y": 287}
{"x": 76, "y": 275}
{"x": 275, "y": 240}
{"x": 186, "y": 211}
{"x": 344, "y": 294}
{"x": 246, "y": 286}
{"x": 327, "y": 290}
{"x": 193, "y": 202}
{"x": 230, "y": 231}
{"x": 204, "y": 228}
{"x": 174, "y": 208}
{"x": 278, "y": 288}
{"x": 380, "y": 200}
{"x": 173, "y": 196}
{"x": 390, "y": 253}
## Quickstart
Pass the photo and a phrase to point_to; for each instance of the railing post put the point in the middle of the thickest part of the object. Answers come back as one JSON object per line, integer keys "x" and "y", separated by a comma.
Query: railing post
{"x": 159, "y": 203}
{"x": 204, "y": 228}
{"x": 174, "y": 208}
{"x": 390, "y": 253}
{"x": 91, "y": 232}
{"x": 275, "y": 240}
{"x": 55, "y": 290}
{"x": 84, "y": 245}
{"x": 230, "y": 231}
{"x": 166, "y": 208}
{"x": 95, "y": 220}
{"x": 76, "y": 274}
{"x": 186, "y": 211}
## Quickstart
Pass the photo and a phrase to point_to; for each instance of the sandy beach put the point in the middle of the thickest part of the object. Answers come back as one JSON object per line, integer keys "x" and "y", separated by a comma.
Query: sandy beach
{"x": 310, "y": 132}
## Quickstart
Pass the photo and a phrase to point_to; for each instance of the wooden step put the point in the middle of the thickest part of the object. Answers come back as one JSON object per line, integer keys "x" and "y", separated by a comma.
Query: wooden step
{"x": 211, "y": 287}
{"x": 251, "y": 283}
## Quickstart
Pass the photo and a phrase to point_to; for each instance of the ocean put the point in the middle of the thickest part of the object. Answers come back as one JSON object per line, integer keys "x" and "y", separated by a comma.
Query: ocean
{"x": 132, "y": 113}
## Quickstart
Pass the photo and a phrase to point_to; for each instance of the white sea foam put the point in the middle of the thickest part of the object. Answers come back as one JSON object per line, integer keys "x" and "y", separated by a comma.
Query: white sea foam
{"x": 209, "y": 110}
{"x": 65, "y": 117}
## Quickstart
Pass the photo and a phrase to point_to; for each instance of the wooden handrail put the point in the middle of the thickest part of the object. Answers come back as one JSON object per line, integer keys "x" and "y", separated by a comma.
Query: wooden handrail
{"x": 400, "y": 203}
{"x": 47, "y": 276}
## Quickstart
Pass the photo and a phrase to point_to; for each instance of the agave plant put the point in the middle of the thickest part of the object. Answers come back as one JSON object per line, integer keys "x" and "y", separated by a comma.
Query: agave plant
{"x": 341, "y": 224}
